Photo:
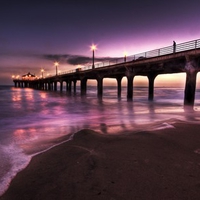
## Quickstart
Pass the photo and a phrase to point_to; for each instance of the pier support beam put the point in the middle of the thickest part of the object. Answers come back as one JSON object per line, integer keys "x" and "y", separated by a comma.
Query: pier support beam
{"x": 74, "y": 81}
{"x": 61, "y": 86}
{"x": 130, "y": 87}
{"x": 55, "y": 86}
{"x": 190, "y": 87}
{"x": 25, "y": 84}
{"x": 100, "y": 87}
{"x": 83, "y": 86}
{"x": 151, "y": 78}
{"x": 49, "y": 86}
{"x": 190, "y": 84}
{"x": 69, "y": 86}
{"x": 119, "y": 86}
{"x": 42, "y": 86}
{"x": 45, "y": 86}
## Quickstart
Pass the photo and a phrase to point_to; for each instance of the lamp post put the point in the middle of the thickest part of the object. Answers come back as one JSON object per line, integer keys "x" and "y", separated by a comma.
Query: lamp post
{"x": 42, "y": 70}
{"x": 125, "y": 55}
{"x": 93, "y": 48}
{"x": 56, "y": 64}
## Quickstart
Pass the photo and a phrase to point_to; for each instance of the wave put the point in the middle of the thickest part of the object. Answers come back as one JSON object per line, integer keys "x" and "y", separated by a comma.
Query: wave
{"x": 17, "y": 161}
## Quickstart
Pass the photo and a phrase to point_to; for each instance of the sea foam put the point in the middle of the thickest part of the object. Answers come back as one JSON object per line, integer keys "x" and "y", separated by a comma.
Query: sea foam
{"x": 17, "y": 160}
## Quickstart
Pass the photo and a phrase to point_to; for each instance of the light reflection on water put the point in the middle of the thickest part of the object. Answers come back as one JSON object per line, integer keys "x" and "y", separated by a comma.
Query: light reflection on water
{"x": 32, "y": 115}
{"x": 50, "y": 110}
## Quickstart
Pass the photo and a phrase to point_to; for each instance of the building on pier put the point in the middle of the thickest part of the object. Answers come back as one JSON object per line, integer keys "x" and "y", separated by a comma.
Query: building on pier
{"x": 28, "y": 76}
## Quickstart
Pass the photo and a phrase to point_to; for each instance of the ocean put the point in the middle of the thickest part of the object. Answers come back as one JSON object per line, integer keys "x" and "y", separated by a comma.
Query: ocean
{"x": 32, "y": 121}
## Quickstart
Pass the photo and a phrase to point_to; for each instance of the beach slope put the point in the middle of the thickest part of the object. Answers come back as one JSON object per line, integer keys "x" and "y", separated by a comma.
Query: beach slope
{"x": 160, "y": 164}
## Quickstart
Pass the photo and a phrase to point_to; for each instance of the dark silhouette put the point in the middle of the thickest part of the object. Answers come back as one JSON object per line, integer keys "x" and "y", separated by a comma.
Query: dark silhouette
{"x": 174, "y": 46}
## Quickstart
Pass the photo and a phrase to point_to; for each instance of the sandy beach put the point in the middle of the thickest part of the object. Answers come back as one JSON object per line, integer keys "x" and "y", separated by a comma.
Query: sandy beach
{"x": 158, "y": 165}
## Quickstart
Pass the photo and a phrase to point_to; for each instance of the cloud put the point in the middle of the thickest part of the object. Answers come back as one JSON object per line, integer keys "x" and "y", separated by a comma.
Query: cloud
{"x": 79, "y": 60}
{"x": 76, "y": 59}
{"x": 56, "y": 57}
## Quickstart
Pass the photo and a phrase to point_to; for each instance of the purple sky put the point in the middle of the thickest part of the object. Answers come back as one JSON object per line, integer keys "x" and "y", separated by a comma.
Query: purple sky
{"x": 35, "y": 34}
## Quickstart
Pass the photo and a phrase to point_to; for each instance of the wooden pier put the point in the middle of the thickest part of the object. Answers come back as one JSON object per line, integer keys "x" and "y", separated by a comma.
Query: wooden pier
{"x": 185, "y": 57}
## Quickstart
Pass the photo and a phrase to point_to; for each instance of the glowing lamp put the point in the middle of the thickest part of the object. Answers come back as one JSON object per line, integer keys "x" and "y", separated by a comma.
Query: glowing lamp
{"x": 56, "y": 64}
{"x": 42, "y": 70}
{"x": 125, "y": 55}
{"x": 93, "y": 48}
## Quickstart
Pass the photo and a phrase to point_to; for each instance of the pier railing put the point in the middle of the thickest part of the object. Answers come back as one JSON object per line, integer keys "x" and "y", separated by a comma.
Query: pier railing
{"x": 190, "y": 45}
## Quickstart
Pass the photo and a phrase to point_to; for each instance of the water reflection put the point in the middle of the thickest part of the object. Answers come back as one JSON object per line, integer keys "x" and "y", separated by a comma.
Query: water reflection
{"x": 43, "y": 95}
{"x": 103, "y": 128}
{"x": 45, "y": 115}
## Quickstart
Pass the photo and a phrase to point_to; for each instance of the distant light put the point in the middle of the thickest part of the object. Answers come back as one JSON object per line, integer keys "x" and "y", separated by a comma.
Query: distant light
{"x": 93, "y": 47}
{"x": 56, "y": 63}
{"x": 125, "y": 53}
{"x": 78, "y": 66}
{"x": 42, "y": 70}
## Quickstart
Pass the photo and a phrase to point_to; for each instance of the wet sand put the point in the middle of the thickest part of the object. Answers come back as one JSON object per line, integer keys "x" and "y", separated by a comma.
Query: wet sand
{"x": 158, "y": 165}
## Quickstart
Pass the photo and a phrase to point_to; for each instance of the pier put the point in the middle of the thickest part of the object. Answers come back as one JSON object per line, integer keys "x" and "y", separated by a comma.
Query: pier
{"x": 184, "y": 57}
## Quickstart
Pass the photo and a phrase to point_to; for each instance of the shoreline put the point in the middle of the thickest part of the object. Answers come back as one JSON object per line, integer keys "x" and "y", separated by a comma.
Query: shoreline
{"x": 158, "y": 164}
